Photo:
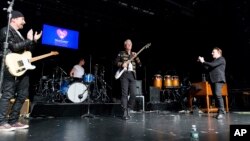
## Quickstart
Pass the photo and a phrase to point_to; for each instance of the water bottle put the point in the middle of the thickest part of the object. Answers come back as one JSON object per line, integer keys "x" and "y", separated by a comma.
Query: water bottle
{"x": 194, "y": 134}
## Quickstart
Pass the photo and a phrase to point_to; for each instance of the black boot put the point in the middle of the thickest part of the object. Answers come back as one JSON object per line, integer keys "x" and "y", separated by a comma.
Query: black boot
{"x": 125, "y": 114}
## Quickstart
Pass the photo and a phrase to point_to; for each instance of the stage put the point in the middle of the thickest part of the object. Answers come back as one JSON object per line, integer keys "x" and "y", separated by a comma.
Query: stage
{"x": 168, "y": 120}
{"x": 143, "y": 126}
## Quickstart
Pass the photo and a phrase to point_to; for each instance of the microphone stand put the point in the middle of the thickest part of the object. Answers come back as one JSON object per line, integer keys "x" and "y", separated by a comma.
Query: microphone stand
{"x": 88, "y": 115}
{"x": 5, "y": 44}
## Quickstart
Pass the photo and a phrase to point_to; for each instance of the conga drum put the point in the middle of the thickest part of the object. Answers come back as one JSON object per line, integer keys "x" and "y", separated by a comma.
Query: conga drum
{"x": 168, "y": 81}
{"x": 157, "y": 81}
{"x": 175, "y": 81}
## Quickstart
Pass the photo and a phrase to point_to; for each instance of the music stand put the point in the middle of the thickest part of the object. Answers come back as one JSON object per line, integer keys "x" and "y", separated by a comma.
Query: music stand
{"x": 88, "y": 114}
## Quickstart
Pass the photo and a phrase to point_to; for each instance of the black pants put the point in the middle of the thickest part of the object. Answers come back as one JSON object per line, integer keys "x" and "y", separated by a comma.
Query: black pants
{"x": 128, "y": 87}
{"x": 12, "y": 86}
{"x": 217, "y": 94}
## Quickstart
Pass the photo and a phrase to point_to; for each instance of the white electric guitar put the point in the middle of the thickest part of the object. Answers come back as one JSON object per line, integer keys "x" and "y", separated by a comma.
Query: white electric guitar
{"x": 18, "y": 64}
{"x": 120, "y": 71}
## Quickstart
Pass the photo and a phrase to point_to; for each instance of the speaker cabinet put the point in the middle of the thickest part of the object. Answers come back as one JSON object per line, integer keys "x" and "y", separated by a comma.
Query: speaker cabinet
{"x": 154, "y": 95}
{"x": 24, "y": 110}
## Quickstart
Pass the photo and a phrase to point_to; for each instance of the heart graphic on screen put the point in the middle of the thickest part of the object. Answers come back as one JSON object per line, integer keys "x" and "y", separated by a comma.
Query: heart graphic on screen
{"x": 61, "y": 33}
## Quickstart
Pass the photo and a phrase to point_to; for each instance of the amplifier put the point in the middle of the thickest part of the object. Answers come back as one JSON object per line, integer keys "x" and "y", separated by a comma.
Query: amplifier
{"x": 24, "y": 110}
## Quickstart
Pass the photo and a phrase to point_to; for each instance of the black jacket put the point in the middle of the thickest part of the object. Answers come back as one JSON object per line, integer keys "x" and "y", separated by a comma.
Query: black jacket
{"x": 15, "y": 43}
{"x": 216, "y": 69}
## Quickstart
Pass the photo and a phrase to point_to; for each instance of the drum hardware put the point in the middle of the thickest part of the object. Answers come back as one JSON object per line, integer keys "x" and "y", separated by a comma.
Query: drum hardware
{"x": 88, "y": 114}
{"x": 52, "y": 87}
{"x": 40, "y": 87}
{"x": 171, "y": 95}
{"x": 59, "y": 73}
{"x": 102, "y": 93}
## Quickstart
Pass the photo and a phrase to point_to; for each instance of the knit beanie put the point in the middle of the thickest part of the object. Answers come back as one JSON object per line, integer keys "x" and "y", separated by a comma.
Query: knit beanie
{"x": 16, "y": 14}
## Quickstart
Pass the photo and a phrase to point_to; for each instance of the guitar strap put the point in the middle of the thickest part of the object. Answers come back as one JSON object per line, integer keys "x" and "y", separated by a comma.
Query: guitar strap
{"x": 20, "y": 35}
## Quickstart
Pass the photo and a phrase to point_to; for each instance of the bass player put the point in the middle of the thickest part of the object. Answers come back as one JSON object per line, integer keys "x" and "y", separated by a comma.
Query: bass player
{"x": 128, "y": 77}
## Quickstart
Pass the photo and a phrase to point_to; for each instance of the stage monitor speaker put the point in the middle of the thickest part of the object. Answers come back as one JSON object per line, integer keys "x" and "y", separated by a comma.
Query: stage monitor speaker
{"x": 154, "y": 95}
{"x": 138, "y": 88}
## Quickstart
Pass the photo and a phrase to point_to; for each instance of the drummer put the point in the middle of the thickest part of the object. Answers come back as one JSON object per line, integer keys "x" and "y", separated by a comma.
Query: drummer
{"x": 77, "y": 72}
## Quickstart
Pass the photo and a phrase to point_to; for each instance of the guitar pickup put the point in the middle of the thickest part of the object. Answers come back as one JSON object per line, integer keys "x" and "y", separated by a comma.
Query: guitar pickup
{"x": 20, "y": 70}
{"x": 20, "y": 63}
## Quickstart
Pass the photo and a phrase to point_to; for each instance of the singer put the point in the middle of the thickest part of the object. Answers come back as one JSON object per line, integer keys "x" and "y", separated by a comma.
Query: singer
{"x": 216, "y": 70}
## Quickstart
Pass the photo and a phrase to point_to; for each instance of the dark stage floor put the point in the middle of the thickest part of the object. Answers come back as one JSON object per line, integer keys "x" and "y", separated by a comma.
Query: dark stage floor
{"x": 143, "y": 126}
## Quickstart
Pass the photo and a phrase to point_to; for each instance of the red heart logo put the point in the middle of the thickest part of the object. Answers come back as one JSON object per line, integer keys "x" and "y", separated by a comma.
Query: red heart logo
{"x": 61, "y": 33}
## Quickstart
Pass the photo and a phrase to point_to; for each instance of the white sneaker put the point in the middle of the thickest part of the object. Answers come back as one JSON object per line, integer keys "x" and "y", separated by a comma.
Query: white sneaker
{"x": 6, "y": 127}
{"x": 19, "y": 125}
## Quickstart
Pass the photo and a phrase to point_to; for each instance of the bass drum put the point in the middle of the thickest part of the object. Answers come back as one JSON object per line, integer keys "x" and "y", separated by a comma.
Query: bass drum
{"x": 77, "y": 92}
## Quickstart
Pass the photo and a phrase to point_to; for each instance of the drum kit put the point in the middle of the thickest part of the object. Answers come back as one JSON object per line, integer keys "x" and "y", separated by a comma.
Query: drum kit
{"x": 61, "y": 88}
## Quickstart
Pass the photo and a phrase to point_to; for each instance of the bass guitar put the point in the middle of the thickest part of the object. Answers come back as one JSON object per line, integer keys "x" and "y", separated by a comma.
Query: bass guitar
{"x": 120, "y": 71}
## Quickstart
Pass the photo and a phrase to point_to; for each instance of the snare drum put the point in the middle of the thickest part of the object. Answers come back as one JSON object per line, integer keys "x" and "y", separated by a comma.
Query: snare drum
{"x": 157, "y": 81}
{"x": 168, "y": 81}
{"x": 77, "y": 92}
{"x": 88, "y": 78}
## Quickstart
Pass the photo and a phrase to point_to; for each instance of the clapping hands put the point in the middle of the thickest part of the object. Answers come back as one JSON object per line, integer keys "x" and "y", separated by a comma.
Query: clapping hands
{"x": 33, "y": 37}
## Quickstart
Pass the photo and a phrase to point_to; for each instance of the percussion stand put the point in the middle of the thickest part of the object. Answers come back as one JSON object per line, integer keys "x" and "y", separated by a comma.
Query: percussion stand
{"x": 52, "y": 94}
{"x": 61, "y": 97}
{"x": 96, "y": 89}
{"x": 104, "y": 95}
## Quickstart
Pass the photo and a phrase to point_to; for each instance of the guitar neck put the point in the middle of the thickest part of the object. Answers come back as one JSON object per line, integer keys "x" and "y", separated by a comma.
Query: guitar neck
{"x": 136, "y": 54}
{"x": 40, "y": 57}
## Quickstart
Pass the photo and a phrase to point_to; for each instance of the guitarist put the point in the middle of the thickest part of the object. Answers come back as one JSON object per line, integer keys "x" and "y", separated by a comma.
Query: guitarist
{"x": 128, "y": 78}
{"x": 15, "y": 87}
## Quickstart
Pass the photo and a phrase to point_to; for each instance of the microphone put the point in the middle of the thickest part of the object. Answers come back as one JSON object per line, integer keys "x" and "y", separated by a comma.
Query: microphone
{"x": 62, "y": 70}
